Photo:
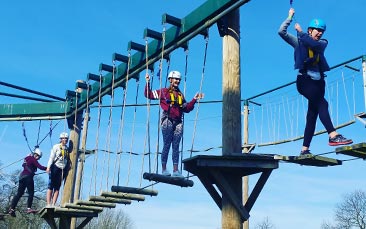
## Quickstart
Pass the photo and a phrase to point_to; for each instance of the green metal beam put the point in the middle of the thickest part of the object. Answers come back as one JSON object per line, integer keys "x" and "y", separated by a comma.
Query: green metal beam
{"x": 175, "y": 37}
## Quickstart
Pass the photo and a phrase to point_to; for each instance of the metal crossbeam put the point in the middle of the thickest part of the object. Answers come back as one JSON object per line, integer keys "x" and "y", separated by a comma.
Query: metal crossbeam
{"x": 192, "y": 25}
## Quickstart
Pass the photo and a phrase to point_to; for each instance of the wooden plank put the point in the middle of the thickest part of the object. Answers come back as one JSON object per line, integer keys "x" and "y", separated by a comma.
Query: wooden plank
{"x": 142, "y": 191}
{"x": 310, "y": 160}
{"x": 243, "y": 164}
{"x": 356, "y": 150}
{"x": 179, "y": 181}
{"x": 83, "y": 207}
{"x": 121, "y": 195}
{"x": 109, "y": 200}
{"x": 74, "y": 212}
{"x": 98, "y": 204}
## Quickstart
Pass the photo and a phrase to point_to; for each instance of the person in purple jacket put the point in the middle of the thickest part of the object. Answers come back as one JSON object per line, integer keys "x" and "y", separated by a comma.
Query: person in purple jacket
{"x": 309, "y": 48}
{"x": 173, "y": 105}
{"x": 30, "y": 165}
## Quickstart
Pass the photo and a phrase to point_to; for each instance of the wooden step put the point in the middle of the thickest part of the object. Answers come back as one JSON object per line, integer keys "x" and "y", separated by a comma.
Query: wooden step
{"x": 356, "y": 150}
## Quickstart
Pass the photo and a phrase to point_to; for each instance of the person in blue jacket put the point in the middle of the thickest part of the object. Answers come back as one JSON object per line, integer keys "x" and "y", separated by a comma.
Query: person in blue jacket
{"x": 309, "y": 58}
{"x": 30, "y": 165}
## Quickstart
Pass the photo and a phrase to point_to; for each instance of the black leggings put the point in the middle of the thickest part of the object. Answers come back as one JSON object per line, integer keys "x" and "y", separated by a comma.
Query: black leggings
{"x": 26, "y": 182}
{"x": 314, "y": 91}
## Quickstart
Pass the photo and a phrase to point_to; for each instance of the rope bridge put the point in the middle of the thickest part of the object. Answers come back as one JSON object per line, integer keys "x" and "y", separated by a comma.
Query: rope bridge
{"x": 278, "y": 116}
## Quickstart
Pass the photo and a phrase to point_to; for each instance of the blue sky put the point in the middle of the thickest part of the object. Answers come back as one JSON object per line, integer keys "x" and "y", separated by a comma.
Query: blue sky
{"x": 47, "y": 46}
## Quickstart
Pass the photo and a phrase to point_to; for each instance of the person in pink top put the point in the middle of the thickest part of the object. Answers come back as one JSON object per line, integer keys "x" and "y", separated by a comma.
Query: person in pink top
{"x": 173, "y": 105}
{"x": 26, "y": 181}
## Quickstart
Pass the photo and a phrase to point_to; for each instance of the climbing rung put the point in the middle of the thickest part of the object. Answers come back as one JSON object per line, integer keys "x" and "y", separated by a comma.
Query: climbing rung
{"x": 97, "y": 204}
{"x": 141, "y": 191}
{"x": 109, "y": 200}
{"x": 357, "y": 150}
{"x": 120, "y": 195}
{"x": 310, "y": 159}
{"x": 182, "y": 182}
{"x": 83, "y": 207}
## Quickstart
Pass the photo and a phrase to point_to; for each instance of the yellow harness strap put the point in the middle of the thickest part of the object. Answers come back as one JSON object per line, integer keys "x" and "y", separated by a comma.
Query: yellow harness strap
{"x": 64, "y": 152}
{"x": 173, "y": 100}
{"x": 311, "y": 55}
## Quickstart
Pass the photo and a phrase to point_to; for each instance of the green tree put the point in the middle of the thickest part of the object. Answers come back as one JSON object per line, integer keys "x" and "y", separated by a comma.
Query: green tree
{"x": 265, "y": 224}
{"x": 350, "y": 213}
{"x": 9, "y": 186}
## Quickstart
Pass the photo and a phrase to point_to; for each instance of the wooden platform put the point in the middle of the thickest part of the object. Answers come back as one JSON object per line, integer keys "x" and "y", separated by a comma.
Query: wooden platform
{"x": 309, "y": 160}
{"x": 49, "y": 214}
{"x": 217, "y": 172}
{"x": 356, "y": 150}
{"x": 179, "y": 181}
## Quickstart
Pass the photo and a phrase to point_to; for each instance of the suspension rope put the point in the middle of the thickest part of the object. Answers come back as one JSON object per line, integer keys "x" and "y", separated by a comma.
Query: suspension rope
{"x": 95, "y": 165}
{"x": 39, "y": 130}
{"x": 83, "y": 154}
{"x": 25, "y": 136}
{"x": 160, "y": 86}
{"x": 200, "y": 91}
{"x": 184, "y": 94}
{"x": 123, "y": 115}
{"x": 109, "y": 132}
{"x": 132, "y": 134}
{"x": 147, "y": 132}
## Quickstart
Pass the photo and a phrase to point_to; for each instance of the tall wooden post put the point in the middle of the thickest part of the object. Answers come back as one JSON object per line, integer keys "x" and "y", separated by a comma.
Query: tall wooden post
{"x": 80, "y": 167}
{"x": 68, "y": 191}
{"x": 245, "y": 150}
{"x": 231, "y": 110}
{"x": 364, "y": 78}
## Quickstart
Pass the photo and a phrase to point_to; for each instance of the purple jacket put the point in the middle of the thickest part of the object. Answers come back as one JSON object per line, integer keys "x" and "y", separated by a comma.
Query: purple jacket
{"x": 30, "y": 165}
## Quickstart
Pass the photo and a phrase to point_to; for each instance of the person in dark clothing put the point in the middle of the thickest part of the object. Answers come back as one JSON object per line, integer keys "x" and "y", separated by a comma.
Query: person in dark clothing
{"x": 309, "y": 56}
{"x": 30, "y": 166}
{"x": 173, "y": 105}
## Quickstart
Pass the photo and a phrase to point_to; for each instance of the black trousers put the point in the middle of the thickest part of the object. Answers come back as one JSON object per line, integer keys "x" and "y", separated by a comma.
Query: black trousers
{"x": 24, "y": 183}
{"x": 314, "y": 91}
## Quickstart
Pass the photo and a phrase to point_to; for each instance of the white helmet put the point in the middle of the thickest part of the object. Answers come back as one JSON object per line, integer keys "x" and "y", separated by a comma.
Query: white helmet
{"x": 174, "y": 74}
{"x": 64, "y": 135}
{"x": 38, "y": 151}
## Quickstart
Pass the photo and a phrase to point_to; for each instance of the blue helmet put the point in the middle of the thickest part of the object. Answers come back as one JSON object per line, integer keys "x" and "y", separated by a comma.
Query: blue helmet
{"x": 317, "y": 24}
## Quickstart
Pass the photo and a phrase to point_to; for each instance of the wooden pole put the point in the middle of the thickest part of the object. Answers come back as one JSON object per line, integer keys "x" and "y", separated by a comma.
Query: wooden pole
{"x": 68, "y": 192}
{"x": 364, "y": 78}
{"x": 80, "y": 167}
{"x": 231, "y": 110}
{"x": 245, "y": 150}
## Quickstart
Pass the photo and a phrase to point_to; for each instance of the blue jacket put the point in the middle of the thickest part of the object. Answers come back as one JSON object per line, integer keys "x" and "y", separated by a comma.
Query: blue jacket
{"x": 301, "y": 44}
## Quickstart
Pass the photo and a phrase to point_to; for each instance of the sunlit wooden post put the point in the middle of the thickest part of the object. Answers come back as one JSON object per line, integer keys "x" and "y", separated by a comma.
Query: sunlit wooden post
{"x": 364, "y": 78}
{"x": 68, "y": 191}
{"x": 231, "y": 110}
{"x": 245, "y": 150}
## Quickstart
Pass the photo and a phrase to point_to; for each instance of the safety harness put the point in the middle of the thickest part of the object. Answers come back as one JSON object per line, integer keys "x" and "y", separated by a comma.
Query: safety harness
{"x": 173, "y": 100}
{"x": 315, "y": 60}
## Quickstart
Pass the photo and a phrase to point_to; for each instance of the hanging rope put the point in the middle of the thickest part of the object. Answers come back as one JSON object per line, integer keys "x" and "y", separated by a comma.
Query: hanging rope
{"x": 160, "y": 85}
{"x": 95, "y": 165}
{"x": 132, "y": 134}
{"x": 147, "y": 135}
{"x": 184, "y": 94}
{"x": 200, "y": 91}
{"x": 108, "y": 139}
{"x": 25, "y": 136}
{"x": 123, "y": 115}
